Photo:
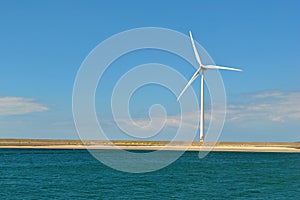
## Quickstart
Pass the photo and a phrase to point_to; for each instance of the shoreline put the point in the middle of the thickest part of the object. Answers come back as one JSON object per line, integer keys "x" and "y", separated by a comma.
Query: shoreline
{"x": 288, "y": 147}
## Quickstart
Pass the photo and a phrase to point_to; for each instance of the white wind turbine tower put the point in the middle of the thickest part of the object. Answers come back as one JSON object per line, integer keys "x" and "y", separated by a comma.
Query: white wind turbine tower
{"x": 201, "y": 70}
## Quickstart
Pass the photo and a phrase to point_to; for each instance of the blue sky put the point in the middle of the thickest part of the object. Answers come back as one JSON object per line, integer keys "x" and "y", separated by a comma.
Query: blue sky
{"x": 43, "y": 43}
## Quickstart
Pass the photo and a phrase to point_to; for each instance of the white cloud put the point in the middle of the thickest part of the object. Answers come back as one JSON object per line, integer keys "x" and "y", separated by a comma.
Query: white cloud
{"x": 19, "y": 106}
{"x": 273, "y": 106}
{"x": 189, "y": 121}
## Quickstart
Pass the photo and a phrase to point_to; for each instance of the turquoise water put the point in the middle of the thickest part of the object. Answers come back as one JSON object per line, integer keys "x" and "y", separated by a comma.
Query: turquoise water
{"x": 65, "y": 174}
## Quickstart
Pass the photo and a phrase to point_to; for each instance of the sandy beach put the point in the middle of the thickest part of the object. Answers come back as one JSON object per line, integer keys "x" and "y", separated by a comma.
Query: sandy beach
{"x": 150, "y": 145}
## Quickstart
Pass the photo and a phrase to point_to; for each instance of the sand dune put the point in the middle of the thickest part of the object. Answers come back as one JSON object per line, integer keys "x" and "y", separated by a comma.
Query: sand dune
{"x": 150, "y": 145}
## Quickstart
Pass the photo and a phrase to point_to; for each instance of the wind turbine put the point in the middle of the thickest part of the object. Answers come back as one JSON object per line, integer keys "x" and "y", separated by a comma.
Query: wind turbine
{"x": 201, "y": 70}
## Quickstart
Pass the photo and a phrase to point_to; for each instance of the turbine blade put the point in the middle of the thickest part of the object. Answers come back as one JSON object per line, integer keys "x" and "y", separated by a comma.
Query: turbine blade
{"x": 195, "y": 49}
{"x": 190, "y": 82}
{"x": 221, "y": 67}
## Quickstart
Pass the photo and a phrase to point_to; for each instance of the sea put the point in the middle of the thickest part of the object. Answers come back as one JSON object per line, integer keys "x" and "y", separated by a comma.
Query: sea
{"x": 76, "y": 174}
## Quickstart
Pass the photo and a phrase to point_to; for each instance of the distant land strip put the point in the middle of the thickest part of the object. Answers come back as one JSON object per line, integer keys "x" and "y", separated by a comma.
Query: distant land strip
{"x": 151, "y": 145}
